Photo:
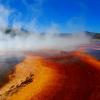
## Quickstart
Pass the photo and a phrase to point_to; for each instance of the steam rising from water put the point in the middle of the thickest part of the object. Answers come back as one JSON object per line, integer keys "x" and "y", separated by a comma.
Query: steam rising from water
{"x": 20, "y": 40}
{"x": 38, "y": 42}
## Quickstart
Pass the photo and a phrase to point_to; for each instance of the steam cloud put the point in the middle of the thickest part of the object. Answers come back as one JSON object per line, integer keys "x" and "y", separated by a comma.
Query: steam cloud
{"x": 33, "y": 40}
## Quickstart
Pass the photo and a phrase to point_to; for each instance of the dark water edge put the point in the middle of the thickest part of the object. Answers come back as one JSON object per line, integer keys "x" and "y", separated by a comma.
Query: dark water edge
{"x": 95, "y": 50}
{"x": 7, "y": 66}
{"x": 95, "y": 53}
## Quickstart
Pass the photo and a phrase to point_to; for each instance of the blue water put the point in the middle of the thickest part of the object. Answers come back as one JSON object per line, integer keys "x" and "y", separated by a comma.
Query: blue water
{"x": 94, "y": 52}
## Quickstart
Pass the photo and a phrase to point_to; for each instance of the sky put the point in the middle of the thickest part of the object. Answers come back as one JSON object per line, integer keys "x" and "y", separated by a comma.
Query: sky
{"x": 68, "y": 15}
